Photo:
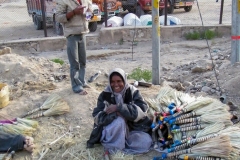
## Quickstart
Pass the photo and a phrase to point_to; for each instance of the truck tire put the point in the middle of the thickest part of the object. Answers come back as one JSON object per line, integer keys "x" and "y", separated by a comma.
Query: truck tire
{"x": 37, "y": 23}
{"x": 188, "y": 8}
{"x": 58, "y": 29}
{"x": 171, "y": 9}
{"x": 92, "y": 26}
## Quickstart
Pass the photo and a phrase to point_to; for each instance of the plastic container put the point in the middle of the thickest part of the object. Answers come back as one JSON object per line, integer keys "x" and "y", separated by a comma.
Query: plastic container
{"x": 146, "y": 20}
{"x": 170, "y": 20}
{"x": 131, "y": 19}
{"x": 4, "y": 95}
{"x": 114, "y": 21}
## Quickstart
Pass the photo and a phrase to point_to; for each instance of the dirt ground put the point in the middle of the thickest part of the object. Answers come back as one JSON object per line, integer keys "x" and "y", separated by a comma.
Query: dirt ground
{"x": 32, "y": 78}
{"x": 185, "y": 65}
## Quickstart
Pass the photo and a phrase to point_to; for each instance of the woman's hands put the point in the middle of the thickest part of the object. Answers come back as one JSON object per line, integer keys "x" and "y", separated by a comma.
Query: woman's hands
{"x": 29, "y": 146}
{"x": 111, "y": 108}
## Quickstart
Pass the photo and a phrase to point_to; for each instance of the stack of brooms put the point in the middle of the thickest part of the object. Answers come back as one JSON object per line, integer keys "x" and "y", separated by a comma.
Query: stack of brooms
{"x": 54, "y": 105}
{"x": 190, "y": 127}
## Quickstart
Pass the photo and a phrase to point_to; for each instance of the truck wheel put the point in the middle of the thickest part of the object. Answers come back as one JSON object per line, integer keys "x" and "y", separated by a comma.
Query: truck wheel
{"x": 171, "y": 9}
{"x": 37, "y": 23}
{"x": 188, "y": 8}
{"x": 58, "y": 29}
{"x": 161, "y": 12}
{"x": 92, "y": 26}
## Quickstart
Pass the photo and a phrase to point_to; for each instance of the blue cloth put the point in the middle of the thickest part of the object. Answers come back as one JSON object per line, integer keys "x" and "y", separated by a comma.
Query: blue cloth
{"x": 115, "y": 137}
{"x": 76, "y": 52}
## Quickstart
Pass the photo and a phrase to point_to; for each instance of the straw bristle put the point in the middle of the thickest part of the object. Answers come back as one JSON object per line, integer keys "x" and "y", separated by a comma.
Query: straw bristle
{"x": 219, "y": 147}
{"x": 60, "y": 108}
{"x": 49, "y": 102}
{"x": 199, "y": 102}
{"x": 211, "y": 129}
{"x": 17, "y": 129}
{"x": 28, "y": 122}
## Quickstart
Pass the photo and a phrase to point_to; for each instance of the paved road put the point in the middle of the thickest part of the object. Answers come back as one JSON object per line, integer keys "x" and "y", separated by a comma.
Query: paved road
{"x": 17, "y": 24}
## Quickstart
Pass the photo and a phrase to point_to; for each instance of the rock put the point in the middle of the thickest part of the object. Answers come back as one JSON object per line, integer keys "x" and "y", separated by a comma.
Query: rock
{"x": 186, "y": 83}
{"x": 206, "y": 89}
{"x": 213, "y": 90}
{"x": 198, "y": 69}
{"x": 51, "y": 79}
{"x": 165, "y": 69}
{"x": 215, "y": 57}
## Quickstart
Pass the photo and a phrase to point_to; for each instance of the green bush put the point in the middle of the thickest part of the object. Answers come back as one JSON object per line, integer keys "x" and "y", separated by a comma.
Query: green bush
{"x": 58, "y": 61}
{"x": 195, "y": 35}
{"x": 139, "y": 74}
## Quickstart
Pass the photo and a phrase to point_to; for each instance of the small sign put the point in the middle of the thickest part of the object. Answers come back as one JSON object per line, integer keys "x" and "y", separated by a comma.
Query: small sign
{"x": 238, "y": 6}
{"x": 156, "y": 4}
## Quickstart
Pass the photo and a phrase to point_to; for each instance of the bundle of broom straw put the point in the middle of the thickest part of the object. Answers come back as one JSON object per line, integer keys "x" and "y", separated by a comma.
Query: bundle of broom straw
{"x": 18, "y": 125}
{"x": 61, "y": 107}
{"x": 51, "y": 101}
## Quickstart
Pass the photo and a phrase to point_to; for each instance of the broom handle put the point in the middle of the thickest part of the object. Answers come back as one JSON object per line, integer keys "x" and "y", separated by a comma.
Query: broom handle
{"x": 37, "y": 115}
{"x": 189, "y": 120}
{"x": 173, "y": 154}
{"x": 184, "y": 116}
{"x": 207, "y": 158}
{"x": 169, "y": 131}
{"x": 189, "y": 124}
{"x": 31, "y": 112}
{"x": 196, "y": 127}
{"x": 160, "y": 135}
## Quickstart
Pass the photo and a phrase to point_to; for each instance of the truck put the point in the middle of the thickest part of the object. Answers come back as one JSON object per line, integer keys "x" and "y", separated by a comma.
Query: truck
{"x": 35, "y": 11}
{"x": 140, "y": 7}
{"x": 175, "y": 4}
{"x": 114, "y": 7}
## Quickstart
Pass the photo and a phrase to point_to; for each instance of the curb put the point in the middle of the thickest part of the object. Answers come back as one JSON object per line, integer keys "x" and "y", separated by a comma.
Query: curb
{"x": 114, "y": 35}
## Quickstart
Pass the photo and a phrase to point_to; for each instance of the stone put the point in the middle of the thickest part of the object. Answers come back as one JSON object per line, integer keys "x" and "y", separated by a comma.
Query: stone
{"x": 198, "y": 69}
{"x": 205, "y": 89}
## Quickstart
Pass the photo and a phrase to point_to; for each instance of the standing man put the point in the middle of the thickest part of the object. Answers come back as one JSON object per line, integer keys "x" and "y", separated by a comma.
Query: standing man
{"x": 72, "y": 15}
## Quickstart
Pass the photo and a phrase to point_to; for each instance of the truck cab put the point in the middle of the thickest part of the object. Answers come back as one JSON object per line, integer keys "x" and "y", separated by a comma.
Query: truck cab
{"x": 114, "y": 7}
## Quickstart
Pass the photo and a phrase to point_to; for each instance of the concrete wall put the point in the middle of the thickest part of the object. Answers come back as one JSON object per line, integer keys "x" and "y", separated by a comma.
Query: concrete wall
{"x": 115, "y": 35}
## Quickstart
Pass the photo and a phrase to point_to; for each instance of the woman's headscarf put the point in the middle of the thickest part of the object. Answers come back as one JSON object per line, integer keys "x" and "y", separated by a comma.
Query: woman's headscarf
{"x": 119, "y": 97}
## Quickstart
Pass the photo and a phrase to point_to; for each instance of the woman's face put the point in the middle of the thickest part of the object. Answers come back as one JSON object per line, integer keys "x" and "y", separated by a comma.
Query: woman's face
{"x": 117, "y": 84}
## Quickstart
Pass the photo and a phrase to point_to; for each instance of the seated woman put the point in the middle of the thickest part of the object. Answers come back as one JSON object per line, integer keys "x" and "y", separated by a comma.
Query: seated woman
{"x": 12, "y": 142}
{"x": 120, "y": 118}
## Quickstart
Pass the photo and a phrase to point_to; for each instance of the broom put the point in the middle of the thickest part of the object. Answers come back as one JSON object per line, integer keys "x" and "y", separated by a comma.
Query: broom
{"x": 23, "y": 121}
{"x": 211, "y": 129}
{"x": 179, "y": 126}
{"x": 196, "y": 127}
{"x": 17, "y": 129}
{"x": 207, "y": 148}
{"x": 232, "y": 132}
{"x": 199, "y": 102}
{"x": 215, "y": 106}
{"x": 27, "y": 122}
{"x": 207, "y": 118}
{"x": 50, "y": 102}
{"x": 197, "y": 157}
{"x": 61, "y": 107}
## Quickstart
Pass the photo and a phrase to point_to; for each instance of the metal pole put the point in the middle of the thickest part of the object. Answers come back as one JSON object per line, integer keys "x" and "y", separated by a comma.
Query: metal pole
{"x": 155, "y": 43}
{"x": 221, "y": 12}
{"x": 235, "y": 31}
{"x": 165, "y": 12}
{"x": 105, "y": 13}
{"x": 43, "y": 17}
